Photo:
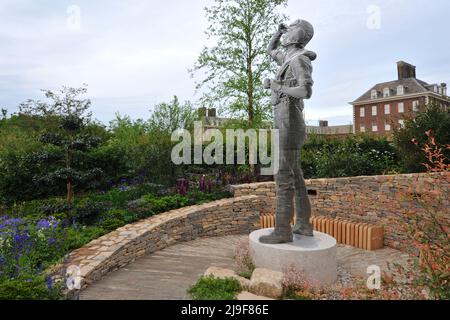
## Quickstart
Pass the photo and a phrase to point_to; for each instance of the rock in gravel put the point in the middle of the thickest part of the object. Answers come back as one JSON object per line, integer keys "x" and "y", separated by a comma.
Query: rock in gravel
{"x": 245, "y": 295}
{"x": 268, "y": 283}
{"x": 223, "y": 273}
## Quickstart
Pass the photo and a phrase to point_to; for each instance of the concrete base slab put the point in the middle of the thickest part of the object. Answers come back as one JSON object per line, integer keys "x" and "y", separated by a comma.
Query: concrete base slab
{"x": 314, "y": 256}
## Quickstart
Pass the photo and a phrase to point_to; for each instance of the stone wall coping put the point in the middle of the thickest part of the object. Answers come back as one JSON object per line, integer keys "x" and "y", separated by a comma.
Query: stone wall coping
{"x": 378, "y": 178}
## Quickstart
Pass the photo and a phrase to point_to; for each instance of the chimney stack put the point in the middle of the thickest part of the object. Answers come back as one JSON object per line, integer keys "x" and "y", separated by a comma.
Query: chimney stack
{"x": 405, "y": 70}
{"x": 323, "y": 123}
{"x": 212, "y": 113}
{"x": 202, "y": 112}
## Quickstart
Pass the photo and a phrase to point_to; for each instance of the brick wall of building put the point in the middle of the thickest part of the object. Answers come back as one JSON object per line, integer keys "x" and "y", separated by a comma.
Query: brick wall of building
{"x": 381, "y": 118}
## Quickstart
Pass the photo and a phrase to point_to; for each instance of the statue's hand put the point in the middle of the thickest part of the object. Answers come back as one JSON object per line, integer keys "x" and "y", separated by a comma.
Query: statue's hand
{"x": 267, "y": 83}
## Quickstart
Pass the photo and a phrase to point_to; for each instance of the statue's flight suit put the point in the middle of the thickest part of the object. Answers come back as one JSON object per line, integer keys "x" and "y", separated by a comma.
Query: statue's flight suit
{"x": 292, "y": 84}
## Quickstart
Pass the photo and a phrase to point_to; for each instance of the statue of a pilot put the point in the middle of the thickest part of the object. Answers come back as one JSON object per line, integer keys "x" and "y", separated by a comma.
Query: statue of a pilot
{"x": 292, "y": 84}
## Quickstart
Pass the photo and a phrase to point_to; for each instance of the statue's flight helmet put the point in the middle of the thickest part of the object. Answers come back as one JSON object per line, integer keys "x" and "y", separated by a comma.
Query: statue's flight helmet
{"x": 298, "y": 33}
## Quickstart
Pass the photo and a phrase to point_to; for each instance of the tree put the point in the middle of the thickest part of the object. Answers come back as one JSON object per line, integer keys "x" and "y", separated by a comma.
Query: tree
{"x": 4, "y": 113}
{"x": 237, "y": 65}
{"x": 433, "y": 118}
{"x": 168, "y": 117}
{"x": 71, "y": 138}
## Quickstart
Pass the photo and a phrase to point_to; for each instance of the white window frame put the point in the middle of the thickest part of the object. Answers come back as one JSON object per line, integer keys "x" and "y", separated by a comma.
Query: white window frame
{"x": 400, "y": 90}
{"x": 374, "y": 94}
{"x": 375, "y": 128}
{"x": 362, "y": 128}
{"x": 362, "y": 112}
{"x": 387, "y": 127}
{"x": 387, "y": 109}
{"x": 401, "y": 122}
{"x": 374, "y": 110}
{"x": 401, "y": 107}
{"x": 386, "y": 92}
{"x": 416, "y": 105}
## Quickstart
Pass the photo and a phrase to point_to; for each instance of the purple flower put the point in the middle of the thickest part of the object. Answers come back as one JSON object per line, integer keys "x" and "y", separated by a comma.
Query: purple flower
{"x": 43, "y": 224}
{"x": 49, "y": 282}
{"x": 15, "y": 222}
{"x": 47, "y": 224}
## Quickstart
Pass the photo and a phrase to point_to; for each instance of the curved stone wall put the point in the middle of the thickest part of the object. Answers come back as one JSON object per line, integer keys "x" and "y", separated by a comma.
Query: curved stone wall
{"x": 372, "y": 199}
{"x": 376, "y": 199}
{"x": 239, "y": 215}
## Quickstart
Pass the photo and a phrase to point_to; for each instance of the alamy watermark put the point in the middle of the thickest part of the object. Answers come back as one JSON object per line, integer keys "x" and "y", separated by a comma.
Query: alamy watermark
{"x": 73, "y": 278}
{"x": 374, "y": 18}
{"x": 73, "y": 21}
{"x": 235, "y": 147}
{"x": 374, "y": 280}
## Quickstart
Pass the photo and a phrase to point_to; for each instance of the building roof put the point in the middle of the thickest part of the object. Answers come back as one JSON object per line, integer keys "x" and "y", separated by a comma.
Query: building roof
{"x": 333, "y": 130}
{"x": 411, "y": 86}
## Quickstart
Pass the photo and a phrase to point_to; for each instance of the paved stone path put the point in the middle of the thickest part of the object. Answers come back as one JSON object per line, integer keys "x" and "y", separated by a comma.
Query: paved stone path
{"x": 168, "y": 273}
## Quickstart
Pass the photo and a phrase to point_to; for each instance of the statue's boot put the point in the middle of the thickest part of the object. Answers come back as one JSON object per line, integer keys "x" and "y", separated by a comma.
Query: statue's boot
{"x": 277, "y": 236}
{"x": 283, "y": 217}
{"x": 303, "y": 228}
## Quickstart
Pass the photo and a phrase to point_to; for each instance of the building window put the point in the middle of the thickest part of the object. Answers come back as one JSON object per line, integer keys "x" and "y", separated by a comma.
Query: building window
{"x": 362, "y": 112}
{"x": 374, "y": 94}
{"x": 387, "y": 127}
{"x": 401, "y": 107}
{"x": 363, "y": 129}
{"x": 386, "y": 92}
{"x": 401, "y": 123}
{"x": 374, "y": 110}
{"x": 416, "y": 105}
{"x": 400, "y": 90}
{"x": 374, "y": 126}
{"x": 387, "y": 109}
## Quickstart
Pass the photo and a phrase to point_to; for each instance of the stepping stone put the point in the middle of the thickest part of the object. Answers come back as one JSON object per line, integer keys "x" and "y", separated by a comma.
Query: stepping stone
{"x": 245, "y": 295}
{"x": 268, "y": 283}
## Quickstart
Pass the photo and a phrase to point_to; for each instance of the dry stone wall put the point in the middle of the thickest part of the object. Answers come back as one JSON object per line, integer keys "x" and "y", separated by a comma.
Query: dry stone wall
{"x": 239, "y": 215}
{"x": 375, "y": 199}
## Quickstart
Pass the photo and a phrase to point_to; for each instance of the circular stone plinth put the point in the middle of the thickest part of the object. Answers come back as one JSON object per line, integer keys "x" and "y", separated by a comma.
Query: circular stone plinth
{"x": 314, "y": 256}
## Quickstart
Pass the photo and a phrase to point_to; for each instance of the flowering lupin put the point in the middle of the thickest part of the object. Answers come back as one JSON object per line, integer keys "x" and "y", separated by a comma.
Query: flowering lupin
{"x": 44, "y": 224}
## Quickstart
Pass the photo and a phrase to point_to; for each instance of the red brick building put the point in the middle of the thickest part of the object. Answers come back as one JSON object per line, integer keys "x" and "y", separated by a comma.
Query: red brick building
{"x": 386, "y": 105}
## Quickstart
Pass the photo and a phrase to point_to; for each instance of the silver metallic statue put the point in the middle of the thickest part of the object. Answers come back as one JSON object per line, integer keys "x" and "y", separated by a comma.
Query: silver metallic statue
{"x": 292, "y": 84}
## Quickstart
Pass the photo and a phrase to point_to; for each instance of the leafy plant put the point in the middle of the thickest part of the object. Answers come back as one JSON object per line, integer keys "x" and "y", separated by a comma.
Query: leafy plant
{"x": 411, "y": 156}
{"x": 352, "y": 156}
{"x": 210, "y": 288}
{"x": 428, "y": 232}
{"x": 69, "y": 140}
{"x": 243, "y": 260}
{"x": 30, "y": 288}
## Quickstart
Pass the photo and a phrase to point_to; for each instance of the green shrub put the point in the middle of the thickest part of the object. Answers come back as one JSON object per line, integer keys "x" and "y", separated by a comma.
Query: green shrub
{"x": 78, "y": 236}
{"x": 210, "y": 288}
{"x": 88, "y": 212}
{"x": 112, "y": 224}
{"x": 432, "y": 118}
{"x": 120, "y": 196}
{"x": 352, "y": 156}
{"x": 29, "y": 288}
{"x": 56, "y": 207}
{"x": 166, "y": 203}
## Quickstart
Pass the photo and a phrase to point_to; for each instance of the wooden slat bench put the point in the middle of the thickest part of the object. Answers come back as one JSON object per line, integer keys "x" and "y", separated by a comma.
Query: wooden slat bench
{"x": 359, "y": 235}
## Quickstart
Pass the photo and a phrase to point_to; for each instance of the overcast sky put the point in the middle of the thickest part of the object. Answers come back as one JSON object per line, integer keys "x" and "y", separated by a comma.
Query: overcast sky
{"x": 136, "y": 53}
